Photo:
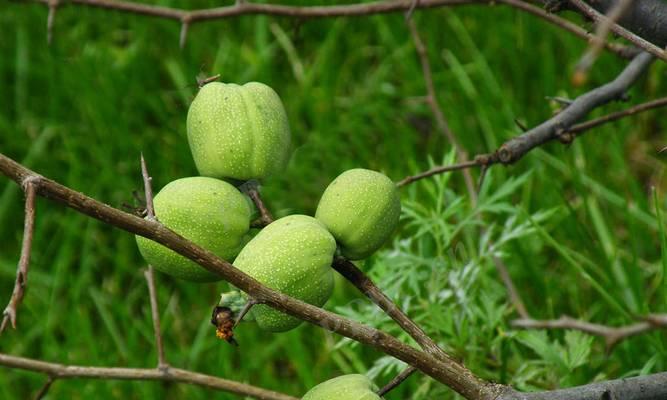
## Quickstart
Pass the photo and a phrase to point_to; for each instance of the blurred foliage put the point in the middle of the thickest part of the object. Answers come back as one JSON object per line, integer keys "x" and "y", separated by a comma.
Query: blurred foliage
{"x": 576, "y": 225}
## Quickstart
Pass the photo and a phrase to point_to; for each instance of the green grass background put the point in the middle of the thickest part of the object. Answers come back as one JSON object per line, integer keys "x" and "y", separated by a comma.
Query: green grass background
{"x": 113, "y": 85}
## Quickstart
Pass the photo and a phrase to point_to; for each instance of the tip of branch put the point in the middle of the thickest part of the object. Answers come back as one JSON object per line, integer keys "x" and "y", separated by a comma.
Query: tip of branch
{"x": 50, "y": 19}
{"x": 202, "y": 82}
{"x": 184, "y": 34}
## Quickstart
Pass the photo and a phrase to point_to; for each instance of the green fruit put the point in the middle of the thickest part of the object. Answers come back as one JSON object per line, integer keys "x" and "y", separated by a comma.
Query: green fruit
{"x": 238, "y": 132}
{"x": 361, "y": 209}
{"x": 209, "y": 212}
{"x": 346, "y": 387}
{"x": 292, "y": 255}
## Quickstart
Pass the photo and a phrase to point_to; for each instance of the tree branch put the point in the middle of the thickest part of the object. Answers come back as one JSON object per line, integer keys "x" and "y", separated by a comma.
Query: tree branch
{"x": 612, "y": 335}
{"x": 595, "y": 46}
{"x": 187, "y": 17}
{"x": 647, "y": 387}
{"x": 452, "y": 374}
{"x": 149, "y": 274}
{"x": 168, "y": 374}
{"x": 557, "y": 127}
{"x": 265, "y": 216}
{"x": 487, "y": 160}
{"x": 400, "y": 378}
{"x": 9, "y": 314}
{"x": 436, "y": 110}
{"x": 579, "y": 129}
{"x": 600, "y": 18}
{"x": 45, "y": 388}
{"x": 646, "y": 18}
{"x": 367, "y": 287}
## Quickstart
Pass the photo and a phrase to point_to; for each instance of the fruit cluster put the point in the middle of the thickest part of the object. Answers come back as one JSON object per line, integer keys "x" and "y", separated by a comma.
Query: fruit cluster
{"x": 238, "y": 133}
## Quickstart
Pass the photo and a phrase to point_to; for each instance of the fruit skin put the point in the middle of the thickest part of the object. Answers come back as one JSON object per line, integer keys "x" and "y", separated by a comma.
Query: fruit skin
{"x": 210, "y": 212}
{"x": 346, "y": 387}
{"x": 238, "y": 132}
{"x": 361, "y": 209}
{"x": 292, "y": 255}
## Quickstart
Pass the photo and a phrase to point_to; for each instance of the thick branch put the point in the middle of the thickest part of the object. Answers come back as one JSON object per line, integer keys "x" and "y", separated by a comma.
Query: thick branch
{"x": 487, "y": 160}
{"x": 453, "y": 375}
{"x": 9, "y": 314}
{"x": 601, "y": 33}
{"x": 168, "y": 374}
{"x": 646, "y": 18}
{"x": 648, "y": 387}
{"x": 557, "y": 127}
{"x": 638, "y": 41}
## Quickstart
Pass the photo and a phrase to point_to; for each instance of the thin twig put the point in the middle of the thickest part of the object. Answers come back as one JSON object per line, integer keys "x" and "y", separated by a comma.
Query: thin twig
{"x": 265, "y": 216}
{"x": 50, "y": 20}
{"x": 612, "y": 335}
{"x": 649, "y": 105}
{"x": 168, "y": 374}
{"x": 182, "y": 37}
{"x": 148, "y": 190}
{"x": 150, "y": 273}
{"x": 361, "y": 9}
{"x": 595, "y": 46}
{"x": 244, "y": 311}
{"x": 202, "y": 82}
{"x": 411, "y": 10}
{"x": 405, "y": 374}
{"x": 155, "y": 313}
{"x": 640, "y": 42}
{"x": 515, "y": 297}
{"x": 442, "y": 169}
{"x": 9, "y": 314}
{"x": 436, "y": 109}
{"x": 45, "y": 388}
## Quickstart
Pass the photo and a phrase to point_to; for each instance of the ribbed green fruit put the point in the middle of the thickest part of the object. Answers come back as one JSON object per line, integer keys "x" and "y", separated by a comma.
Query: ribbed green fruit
{"x": 209, "y": 212}
{"x": 292, "y": 255}
{"x": 346, "y": 387}
{"x": 361, "y": 209}
{"x": 238, "y": 132}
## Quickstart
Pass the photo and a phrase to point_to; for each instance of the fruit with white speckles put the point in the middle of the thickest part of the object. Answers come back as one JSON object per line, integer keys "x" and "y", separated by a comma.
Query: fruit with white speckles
{"x": 361, "y": 209}
{"x": 346, "y": 387}
{"x": 292, "y": 255}
{"x": 209, "y": 212}
{"x": 238, "y": 132}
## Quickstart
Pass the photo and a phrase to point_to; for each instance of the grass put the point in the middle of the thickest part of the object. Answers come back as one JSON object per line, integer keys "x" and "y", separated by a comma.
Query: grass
{"x": 577, "y": 225}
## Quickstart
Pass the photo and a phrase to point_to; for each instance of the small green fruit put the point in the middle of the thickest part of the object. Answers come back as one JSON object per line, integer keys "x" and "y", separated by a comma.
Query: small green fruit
{"x": 346, "y": 387}
{"x": 361, "y": 209}
{"x": 209, "y": 212}
{"x": 292, "y": 255}
{"x": 238, "y": 132}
